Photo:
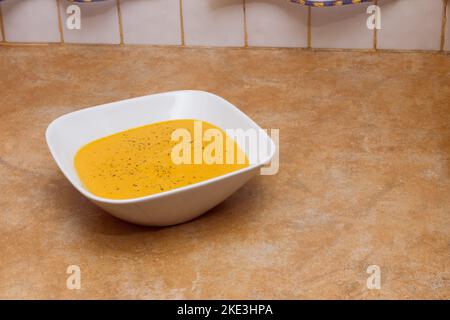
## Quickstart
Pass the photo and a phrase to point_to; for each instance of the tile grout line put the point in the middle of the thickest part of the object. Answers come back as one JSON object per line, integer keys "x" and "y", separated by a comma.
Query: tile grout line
{"x": 2, "y": 29}
{"x": 369, "y": 50}
{"x": 309, "y": 34}
{"x": 60, "y": 28}
{"x": 119, "y": 17}
{"x": 181, "y": 23}
{"x": 444, "y": 24}
{"x": 245, "y": 25}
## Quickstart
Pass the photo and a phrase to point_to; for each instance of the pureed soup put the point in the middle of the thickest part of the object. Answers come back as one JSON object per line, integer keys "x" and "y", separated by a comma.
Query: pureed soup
{"x": 157, "y": 157}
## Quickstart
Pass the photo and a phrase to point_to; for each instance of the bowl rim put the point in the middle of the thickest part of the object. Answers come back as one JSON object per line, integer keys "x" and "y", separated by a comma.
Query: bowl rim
{"x": 163, "y": 194}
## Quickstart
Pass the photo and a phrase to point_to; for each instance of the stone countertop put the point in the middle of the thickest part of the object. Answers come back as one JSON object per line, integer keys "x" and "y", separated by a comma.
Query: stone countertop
{"x": 364, "y": 177}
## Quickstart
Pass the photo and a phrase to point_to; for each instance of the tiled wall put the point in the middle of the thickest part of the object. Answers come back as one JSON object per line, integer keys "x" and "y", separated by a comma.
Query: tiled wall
{"x": 341, "y": 27}
{"x": 99, "y": 23}
{"x": 276, "y": 23}
{"x": 411, "y": 24}
{"x": 447, "y": 32}
{"x": 406, "y": 24}
{"x": 21, "y": 23}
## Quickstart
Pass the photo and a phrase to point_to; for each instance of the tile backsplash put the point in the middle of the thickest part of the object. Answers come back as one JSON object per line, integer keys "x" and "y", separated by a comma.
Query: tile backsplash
{"x": 213, "y": 22}
{"x": 30, "y": 21}
{"x": 341, "y": 27}
{"x": 276, "y": 23}
{"x": 99, "y": 23}
{"x": 151, "y": 22}
{"x": 405, "y": 24}
{"x": 447, "y": 29}
{"x": 411, "y": 24}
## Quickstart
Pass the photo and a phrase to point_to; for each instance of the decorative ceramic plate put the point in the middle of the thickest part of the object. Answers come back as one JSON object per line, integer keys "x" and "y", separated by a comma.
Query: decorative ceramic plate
{"x": 328, "y": 3}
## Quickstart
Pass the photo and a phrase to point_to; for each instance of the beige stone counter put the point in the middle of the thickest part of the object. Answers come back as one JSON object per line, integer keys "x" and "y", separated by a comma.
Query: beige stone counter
{"x": 364, "y": 177}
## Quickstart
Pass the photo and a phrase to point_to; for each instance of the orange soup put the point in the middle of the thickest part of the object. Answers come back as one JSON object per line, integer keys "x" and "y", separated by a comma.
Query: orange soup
{"x": 156, "y": 158}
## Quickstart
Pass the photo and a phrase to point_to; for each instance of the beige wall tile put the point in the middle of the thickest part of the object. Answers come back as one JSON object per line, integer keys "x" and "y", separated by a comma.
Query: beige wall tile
{"x": 1, "y": 35}
{"x": 274, "y": 23}
{"x": 151, "y": 21}
{"x": 30, "y": 20}
{"x": 1, "y": 25}
{"x": 447, "y": 31}
{"x": 341, "y": 27}
{"x": 214, "y": 22}
{"x": 410, "y": 24}
{"x": 99, "y": 23}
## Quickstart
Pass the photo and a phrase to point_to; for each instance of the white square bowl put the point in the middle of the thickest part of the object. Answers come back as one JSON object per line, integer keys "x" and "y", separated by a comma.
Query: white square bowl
{"x": 68, "y": 133}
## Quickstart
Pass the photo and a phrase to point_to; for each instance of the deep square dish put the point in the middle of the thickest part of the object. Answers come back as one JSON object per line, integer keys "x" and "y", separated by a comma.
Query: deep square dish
{"x": 68, "y": 133}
